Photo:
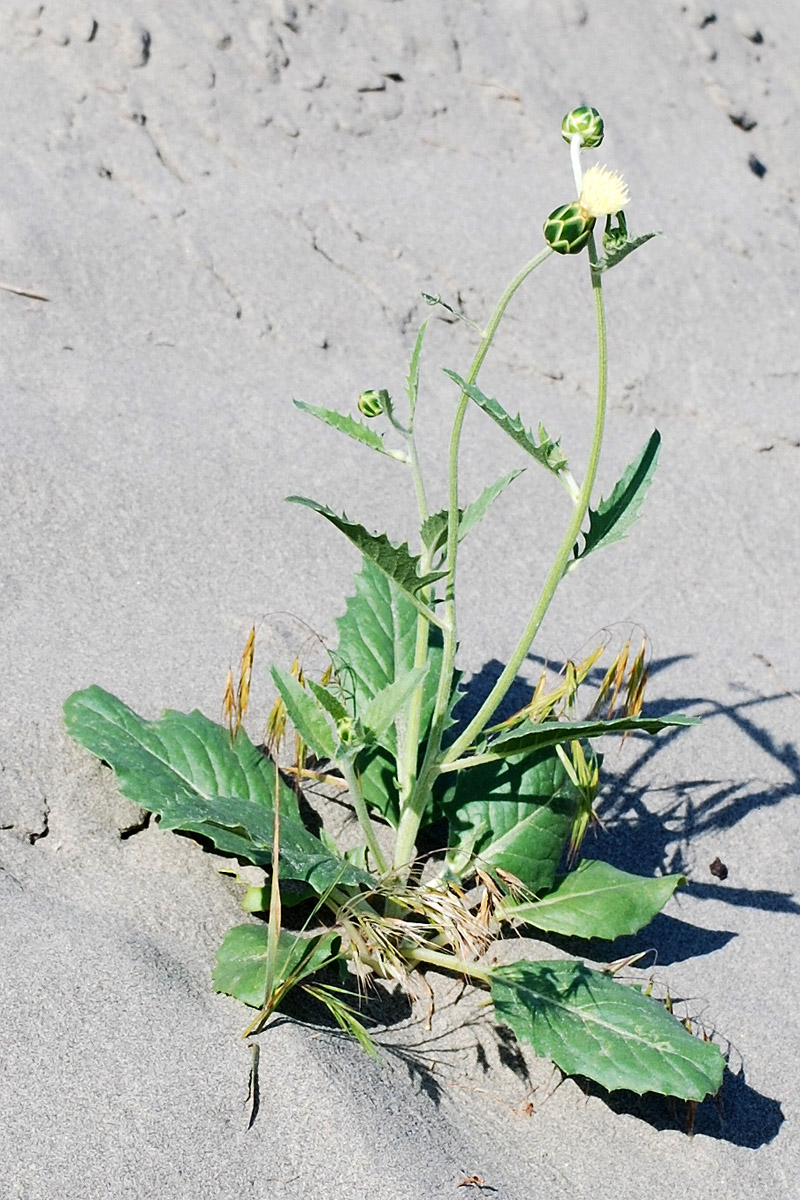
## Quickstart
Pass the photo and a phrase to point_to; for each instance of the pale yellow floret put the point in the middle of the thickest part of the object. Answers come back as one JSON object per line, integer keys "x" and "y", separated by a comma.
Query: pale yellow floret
{"x": 603, "y": 192}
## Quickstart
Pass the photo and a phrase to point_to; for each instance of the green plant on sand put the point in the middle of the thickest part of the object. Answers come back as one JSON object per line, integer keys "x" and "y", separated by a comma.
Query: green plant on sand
{"x": 517, "y": 796}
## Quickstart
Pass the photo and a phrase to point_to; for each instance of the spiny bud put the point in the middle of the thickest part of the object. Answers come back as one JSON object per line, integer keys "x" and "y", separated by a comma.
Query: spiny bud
{"x": 586, "y": 122}
{"x": 568, "y": 229}
{"x": 372, "y": 403}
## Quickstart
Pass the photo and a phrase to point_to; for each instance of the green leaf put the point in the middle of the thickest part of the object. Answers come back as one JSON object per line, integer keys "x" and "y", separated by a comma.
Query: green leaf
{"x": 187, "y": 770}
{"x": 305, "y": 714}
{"x": 412, "y": 382}
{"x": 241, "y": 966}
{"x": 382, "y": 709}
{"x": 615, "y": 254}
{"x": 546, "y": 452}
{"x": 588, "y": 1024}
{"x": 530, "y": 735}
{"x": 377, "y": 771}
{"x": 434, "y": 529}
{"x": 598, "y": 901}
{"x": 395, "y": 562}
{"x": 515, "y": 814}
{"x": 613, "y": 517}
{"x": 353, "y": 428}
{"x": 329, "y": 702}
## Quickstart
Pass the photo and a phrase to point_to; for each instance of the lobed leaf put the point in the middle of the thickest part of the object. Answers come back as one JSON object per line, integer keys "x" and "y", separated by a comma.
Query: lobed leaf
{"x": 615, "y": 254}
{"x": 186, "y": 769}
{"x": 598, "y": 901}
{"x": 353, "y": 428}
{"x": 613, "y": 517}
{"x": 547, "y": 452}
{"x": 588, "y": 1024}
{"x": 434, "y": 530}
{"x": 395, "y": 562}
{"x": 241, "y": 964}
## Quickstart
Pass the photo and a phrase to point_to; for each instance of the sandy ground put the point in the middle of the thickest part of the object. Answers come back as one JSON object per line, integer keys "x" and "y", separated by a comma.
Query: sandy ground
{"x": 229, "y": 204}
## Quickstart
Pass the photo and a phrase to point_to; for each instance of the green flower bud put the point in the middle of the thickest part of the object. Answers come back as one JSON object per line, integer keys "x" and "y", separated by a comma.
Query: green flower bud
{"x": 585, "y": 121}
{"x": 345, "y": 730}
{"x": 568, "y": 228}
{"x": 372, "y": 403}
{"x": 615, "y": 237}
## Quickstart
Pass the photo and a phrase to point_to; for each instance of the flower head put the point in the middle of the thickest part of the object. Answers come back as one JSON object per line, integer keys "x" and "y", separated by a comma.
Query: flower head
{"x": 603, "y": 192}
{"x": 586, "y": 122}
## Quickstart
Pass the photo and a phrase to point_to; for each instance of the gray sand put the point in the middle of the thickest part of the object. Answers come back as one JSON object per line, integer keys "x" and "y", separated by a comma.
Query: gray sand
{"x": 231, "y": 204}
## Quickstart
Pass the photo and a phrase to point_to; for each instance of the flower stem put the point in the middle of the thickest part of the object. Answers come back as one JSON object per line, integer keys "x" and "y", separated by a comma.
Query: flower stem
{"x": 360, "y": 805}
{"x": 411, "y": 814}
{"x": 495, "y": 697}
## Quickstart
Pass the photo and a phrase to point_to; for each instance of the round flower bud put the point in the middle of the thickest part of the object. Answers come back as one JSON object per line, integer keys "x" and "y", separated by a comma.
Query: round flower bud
{"x": 568, "y": 228}
{"x": 345, "y": 730}
{"x": 372, "y": 403}
{"x": 586, "y": 122}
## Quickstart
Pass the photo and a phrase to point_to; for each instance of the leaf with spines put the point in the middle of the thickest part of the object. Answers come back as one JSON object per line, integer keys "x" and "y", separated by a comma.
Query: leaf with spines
{"x": 241, "y": 966}
{"x": 353, "y": 428}
{"x": 305, "y": 713}
{"x": 186, "y": 769}
{"x": 395, "y": 562}
{"x": 615, "y": 254}
{"x": 434, "y": 530}
{"x": 588, "y": 1024}
{"x": 546, "y": 451}
{"x": 612, "y": 518}
{"x": 597, "y": 901}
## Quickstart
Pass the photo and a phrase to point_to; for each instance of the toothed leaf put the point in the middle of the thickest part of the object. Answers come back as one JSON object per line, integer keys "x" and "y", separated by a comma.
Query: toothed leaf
{"x": 547, "y": 452}
{"x": 613, "y": 517}
{"x": 434, "y": 530}
{"x": 353, "y": 428}
{"x": 616, "y": 253}
{"x": 588, "y": 1024}
{"x": 530, "y": 735}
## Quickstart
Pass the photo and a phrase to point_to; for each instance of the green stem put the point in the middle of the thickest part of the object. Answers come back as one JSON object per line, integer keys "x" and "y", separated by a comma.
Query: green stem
{"x": 411, "y": 815}
{"x": 360, "y": 805}
{"x": 508, "y": 675}
{"x": 448, "y": 962}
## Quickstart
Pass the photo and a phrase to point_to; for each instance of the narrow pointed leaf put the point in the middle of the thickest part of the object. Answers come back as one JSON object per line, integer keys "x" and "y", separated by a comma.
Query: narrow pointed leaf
{"x": 598, "y": 901}
{"x": 241, "y": 965}
{"x": 186, "y": 769}
{"x": 412, "y": 382}
{"x": 353, "y": 428}
{"x": 329, "y": 702}
{"x": 516, "y": 814}
{"x": 530, "y": 735}
{"x": 395, "y": 562}
{"x": 434, "y": 530}
{"x": 613, "y": 517}
{"x": 381, "y": 711}
{"x": 616, "y": 254}
{"x": 588, "y": 1024}
{"x": 546, "y": 452}
{"x": 305, "y": 714}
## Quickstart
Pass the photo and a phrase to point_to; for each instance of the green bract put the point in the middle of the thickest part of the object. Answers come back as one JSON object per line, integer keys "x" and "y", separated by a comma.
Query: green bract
{"x": 381, "y": 725}
{"x": 587, "y": 123}
{"x": 567, "y": 230}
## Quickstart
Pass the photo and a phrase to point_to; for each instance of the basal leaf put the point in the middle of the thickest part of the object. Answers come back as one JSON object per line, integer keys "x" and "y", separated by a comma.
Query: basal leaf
{"x": 546, "y": 452}
{"x": 515, "y": 814}
{"x": 186, "y": 769}
{"x": 377, "y": 642}
{"x": 588, "y": 1024}
{"x": 241, "y": 966}
{"x": 353, "y": 428}
{"x": 395, "y": 562}
{"x": 598, "y": 901}
{"x": 613, "y": 517}
{"x": 530, "y": 735}
{"x": 305, "y": 714}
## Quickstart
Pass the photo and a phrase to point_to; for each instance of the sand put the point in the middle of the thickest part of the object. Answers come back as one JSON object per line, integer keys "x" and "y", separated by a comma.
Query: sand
{"x": 228, "y": 205}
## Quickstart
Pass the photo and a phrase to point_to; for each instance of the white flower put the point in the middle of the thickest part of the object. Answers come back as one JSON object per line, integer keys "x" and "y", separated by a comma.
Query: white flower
{"x": 603, "y": 192}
